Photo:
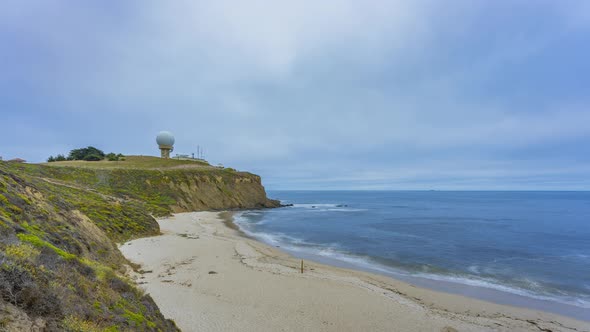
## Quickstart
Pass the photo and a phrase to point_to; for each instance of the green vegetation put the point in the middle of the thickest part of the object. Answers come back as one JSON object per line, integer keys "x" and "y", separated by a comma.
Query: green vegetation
{"x": 87, "y": 154}
{"x": 90, "y": 153}
{"x": 114, "y": 157}
{"x": 59, "y": 223}
{"x": 73, "y": 323}
{"x": 137, "y": 162}
{"x": 58, "y": 260}
{"x": 59, "y": 157}
{"x": 37, "y": 242}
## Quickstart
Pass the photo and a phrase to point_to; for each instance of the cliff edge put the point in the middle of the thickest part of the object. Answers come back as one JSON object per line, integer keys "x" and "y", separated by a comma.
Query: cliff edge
{"x": 60, "y": 268}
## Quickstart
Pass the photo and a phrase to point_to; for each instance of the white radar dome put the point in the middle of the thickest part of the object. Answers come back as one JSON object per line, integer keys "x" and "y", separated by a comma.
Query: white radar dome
{"x": 165, "y": 138}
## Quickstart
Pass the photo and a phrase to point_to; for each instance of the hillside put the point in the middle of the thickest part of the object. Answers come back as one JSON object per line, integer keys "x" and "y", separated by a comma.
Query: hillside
{"x": 136, "y": 162}
{"x": 164, "y": 185}
{"x": 59, "y": 224}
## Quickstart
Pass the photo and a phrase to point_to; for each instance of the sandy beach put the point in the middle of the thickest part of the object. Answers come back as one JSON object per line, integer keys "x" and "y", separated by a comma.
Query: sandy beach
{"x": 206, "y": 276}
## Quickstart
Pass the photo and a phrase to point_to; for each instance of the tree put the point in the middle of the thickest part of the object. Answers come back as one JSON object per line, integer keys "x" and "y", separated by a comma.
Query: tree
{"x": 60, "y": 157}
{"x": 85, "y": 153}
{"x": 50, "y": 159}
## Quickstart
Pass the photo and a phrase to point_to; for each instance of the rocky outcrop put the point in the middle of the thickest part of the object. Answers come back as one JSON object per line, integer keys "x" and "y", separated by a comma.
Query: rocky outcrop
{"x": 217, "y": 192}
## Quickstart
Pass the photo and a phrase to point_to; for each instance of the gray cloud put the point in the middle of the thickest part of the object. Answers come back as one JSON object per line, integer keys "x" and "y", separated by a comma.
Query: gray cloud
{"x": 347, "y": 94}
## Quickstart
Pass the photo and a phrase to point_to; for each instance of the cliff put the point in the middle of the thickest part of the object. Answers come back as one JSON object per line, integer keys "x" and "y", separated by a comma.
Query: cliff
{"x": 60, "y": 268}
{"x": 164, "y": 185}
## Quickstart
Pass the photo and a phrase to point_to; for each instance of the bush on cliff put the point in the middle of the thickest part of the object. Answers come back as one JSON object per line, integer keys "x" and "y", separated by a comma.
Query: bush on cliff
{"x": 59, "y": 157}
{"x": 87, "y": 154}
{"x": 114, "y": 157}
{"x": 84, "y": 153}
{"x": 92, "y": 157}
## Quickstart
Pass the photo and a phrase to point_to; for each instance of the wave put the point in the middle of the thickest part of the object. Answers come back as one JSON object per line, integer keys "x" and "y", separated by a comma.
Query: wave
{"x": 319, "y": 205}
{"x": 535, "y": 290}
{"x": 489, "y": 283}
{"x": 577, "y": 256}
{"x": 323, "y": 207}
{"x": 336, "y": 253}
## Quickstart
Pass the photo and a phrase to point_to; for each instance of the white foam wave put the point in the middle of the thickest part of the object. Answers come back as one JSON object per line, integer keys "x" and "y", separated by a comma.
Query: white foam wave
{"x": 276, "y": 239}
{"x": 334, "y": 252}
{"x": 315, "y": 206}
{"x": 495, "y": 285}
{"x": 474, "y": 269}
{"x": 324, "y": 207}
{"x": 346, "y": 210}
{"x": 243, "y": 219}
{"x": 578, "y": 256}
{"x": 367, "y": 263}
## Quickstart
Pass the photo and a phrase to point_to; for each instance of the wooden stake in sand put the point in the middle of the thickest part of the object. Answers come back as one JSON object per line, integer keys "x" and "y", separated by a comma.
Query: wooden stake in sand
{"x": 302, "y": 266}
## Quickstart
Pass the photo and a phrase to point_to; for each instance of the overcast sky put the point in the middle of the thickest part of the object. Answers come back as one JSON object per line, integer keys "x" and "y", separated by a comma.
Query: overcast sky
{"x": 309, "y": 94}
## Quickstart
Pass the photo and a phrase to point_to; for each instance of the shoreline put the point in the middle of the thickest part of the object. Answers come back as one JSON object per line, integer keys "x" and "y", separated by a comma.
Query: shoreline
{"x": 206, "y": 275}
{"x": 483, "y": 292}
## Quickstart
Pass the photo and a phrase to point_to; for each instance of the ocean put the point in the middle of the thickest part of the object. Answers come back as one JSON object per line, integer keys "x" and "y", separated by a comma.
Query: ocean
{"x": 530, "y": 249}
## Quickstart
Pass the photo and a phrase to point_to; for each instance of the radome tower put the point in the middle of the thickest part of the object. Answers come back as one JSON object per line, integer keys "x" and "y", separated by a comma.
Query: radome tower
{"x": 165, "y": 142}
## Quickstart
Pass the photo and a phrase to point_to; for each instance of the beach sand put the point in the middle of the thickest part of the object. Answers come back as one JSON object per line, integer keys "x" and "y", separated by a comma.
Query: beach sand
{"x": 206, "y": 276}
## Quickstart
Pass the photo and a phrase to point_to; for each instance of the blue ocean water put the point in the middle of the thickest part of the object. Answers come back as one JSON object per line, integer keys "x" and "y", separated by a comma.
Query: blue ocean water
{"x": 533, "y": 245}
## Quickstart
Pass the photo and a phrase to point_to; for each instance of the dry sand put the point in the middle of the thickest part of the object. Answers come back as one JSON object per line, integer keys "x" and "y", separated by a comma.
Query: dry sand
{"x": 207, "y": 277}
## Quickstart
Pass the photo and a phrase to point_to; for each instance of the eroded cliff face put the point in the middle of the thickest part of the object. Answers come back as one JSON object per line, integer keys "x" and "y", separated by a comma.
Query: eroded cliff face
{"x": 218, "y": 192}
{"x": 168, "y": 190}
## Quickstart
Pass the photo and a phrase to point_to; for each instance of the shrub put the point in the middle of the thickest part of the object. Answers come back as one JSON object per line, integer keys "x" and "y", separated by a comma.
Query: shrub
{"x": 21, "y": 251}
{"x": 13, "y": 281}
{"x": 92, "y": 157}
{"x": 82, "y": 154}
{"x": 117, "y": 284}
{"x": 72, "y": 323}
{"x": 18, "y": 287}
{"x": 82, "y": 268}
{"x": 138, "y": 320}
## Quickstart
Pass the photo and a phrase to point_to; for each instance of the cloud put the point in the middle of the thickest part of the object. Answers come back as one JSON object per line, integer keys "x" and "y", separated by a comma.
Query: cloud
{"x": 291, "y": 89}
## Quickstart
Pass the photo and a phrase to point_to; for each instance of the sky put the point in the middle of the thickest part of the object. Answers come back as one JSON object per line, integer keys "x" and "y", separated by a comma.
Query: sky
{"x": 347, "y": 94}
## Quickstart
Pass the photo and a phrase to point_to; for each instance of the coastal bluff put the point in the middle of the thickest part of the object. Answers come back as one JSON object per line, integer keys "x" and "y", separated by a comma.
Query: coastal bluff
{"x": 61, "y": 223}
{"x": 166, "y": 185}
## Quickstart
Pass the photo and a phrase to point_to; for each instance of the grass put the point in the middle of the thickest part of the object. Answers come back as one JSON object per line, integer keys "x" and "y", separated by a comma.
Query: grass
{"x": 37, "y": 242}
{"x": 73, "y": 323}
{"x": 21, "y": 251}
{"x": 137, "y": 319}
{"x": 134, "y": 162}
{"x": 161, "y": 185}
